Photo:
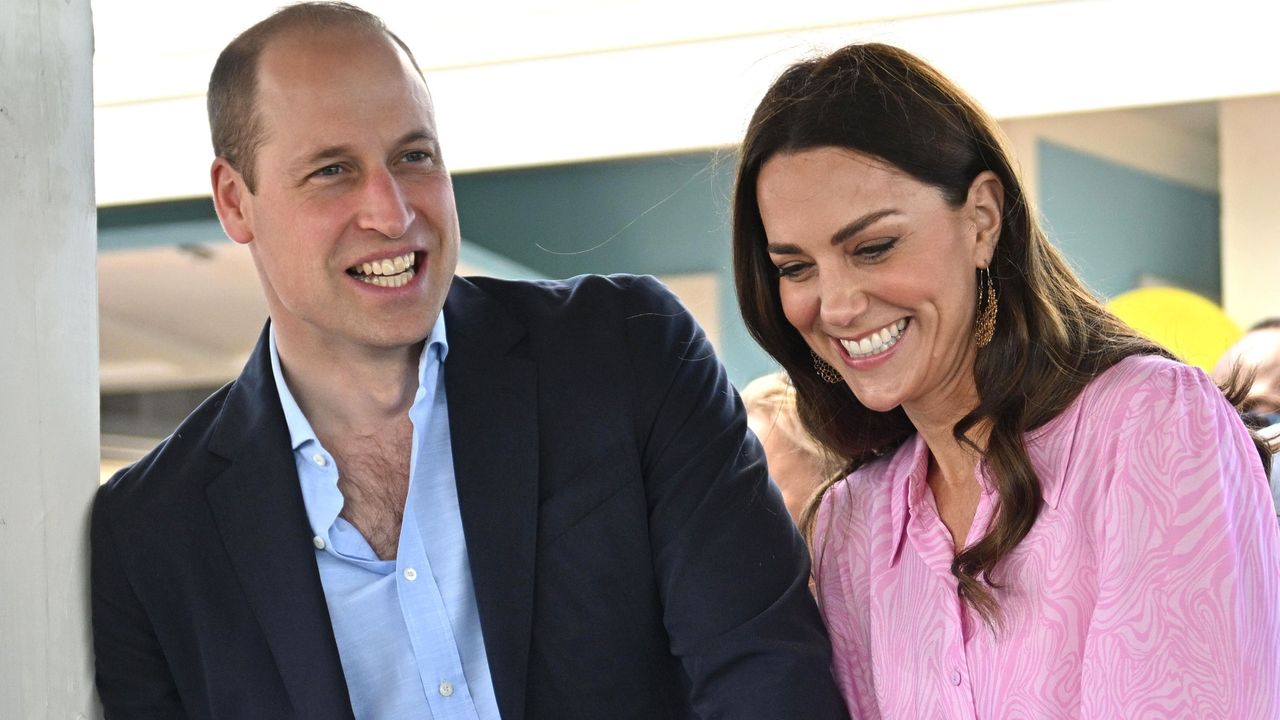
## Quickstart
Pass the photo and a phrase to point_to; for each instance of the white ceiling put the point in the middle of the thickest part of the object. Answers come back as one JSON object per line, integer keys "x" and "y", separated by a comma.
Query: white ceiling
{"x": 528, "y": 83}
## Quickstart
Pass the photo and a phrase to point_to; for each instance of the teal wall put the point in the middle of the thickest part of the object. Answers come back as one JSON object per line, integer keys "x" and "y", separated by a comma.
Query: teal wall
{"x": 660, "y": 215}
{"x": 670, "y": 215}
{"x": 1116, "y": 223}
{"x": 663, "y": 216}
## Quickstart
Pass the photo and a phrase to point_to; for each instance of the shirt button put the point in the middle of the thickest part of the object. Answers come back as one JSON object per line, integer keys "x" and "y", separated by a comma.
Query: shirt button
{"x": 410, "y": 574}
{"x": 319, "y": 459}
{"x": 955, "y": 677}
{"x": 446, "y": 688}
{"x": 318, "y": 542}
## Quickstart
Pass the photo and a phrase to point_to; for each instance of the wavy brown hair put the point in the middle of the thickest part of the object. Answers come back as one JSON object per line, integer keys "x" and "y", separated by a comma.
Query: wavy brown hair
{"x": 1052, "y": 336}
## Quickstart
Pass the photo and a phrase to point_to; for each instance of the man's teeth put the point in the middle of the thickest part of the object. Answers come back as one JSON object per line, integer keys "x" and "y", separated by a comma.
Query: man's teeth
{"x": 388, "y": 281}
{"x": 876, "y": 342}
{"x": 391, "y": 273}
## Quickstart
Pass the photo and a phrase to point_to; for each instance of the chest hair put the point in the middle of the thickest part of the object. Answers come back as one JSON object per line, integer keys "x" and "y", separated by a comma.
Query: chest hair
{"x": 373, "y": 477}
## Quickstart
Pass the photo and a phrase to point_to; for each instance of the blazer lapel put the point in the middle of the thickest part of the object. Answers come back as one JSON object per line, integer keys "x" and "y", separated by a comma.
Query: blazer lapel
{"x": 491, "y": 387}
{"x": 258, "y": 507}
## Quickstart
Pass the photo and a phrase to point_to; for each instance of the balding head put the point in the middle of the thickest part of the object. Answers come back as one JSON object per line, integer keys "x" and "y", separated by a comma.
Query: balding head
{"x": 234, "y": 121}
{"x": 1257, "y": 352}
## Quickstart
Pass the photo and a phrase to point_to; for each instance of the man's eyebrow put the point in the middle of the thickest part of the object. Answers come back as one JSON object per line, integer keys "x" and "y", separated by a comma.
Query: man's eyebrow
{"x": 417, "y": 136}
{"x": 331, "y": 152}
{"x": 861, "y": 224}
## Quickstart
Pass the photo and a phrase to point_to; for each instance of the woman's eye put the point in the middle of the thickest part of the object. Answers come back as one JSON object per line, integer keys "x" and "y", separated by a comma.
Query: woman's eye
{"x": 874, "y": 250}
{"x": 791, "y": 270}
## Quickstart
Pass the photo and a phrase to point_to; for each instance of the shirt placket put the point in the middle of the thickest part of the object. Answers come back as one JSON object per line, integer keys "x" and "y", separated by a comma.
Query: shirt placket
{"x": 439, "y": 663}
{"x": 932, "y": 542}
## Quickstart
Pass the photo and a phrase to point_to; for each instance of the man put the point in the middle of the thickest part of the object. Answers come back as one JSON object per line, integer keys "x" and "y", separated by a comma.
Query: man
{"x": 429, "y": 496}
{"x": 1257, "y": 354}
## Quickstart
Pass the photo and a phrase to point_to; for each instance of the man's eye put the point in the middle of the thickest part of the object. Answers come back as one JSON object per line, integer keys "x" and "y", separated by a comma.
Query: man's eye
{"x": 417, "y": 156}
{"x": 328, "y": 171}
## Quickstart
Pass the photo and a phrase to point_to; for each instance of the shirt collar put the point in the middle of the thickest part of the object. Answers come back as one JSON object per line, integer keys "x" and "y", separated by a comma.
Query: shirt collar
{"x": 435, "y": 349}
{"x": 908, "y": 468}
{"x": 1048, "y": 446}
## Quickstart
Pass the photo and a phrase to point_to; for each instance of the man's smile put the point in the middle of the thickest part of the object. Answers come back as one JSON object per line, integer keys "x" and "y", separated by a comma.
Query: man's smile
{"x": 388, "y": 272}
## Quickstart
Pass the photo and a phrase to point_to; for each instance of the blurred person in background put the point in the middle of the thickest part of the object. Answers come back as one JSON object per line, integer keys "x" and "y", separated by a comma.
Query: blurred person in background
{"x": 1048, "y": 516}
{"x": 798, "y": 464}
{"x": 1257, "y": 355}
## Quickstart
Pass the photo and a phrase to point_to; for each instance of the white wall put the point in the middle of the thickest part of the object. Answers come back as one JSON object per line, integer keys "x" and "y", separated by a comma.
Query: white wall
{"x": 1148, "y": 140}
{"x": 49, "y": 357}
{"x": 1250, "y": 171}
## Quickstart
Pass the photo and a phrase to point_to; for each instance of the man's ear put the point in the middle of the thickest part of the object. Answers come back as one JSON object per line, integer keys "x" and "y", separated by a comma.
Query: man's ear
{"x": 230, "y": 199}
{"x": 986, "y": 202}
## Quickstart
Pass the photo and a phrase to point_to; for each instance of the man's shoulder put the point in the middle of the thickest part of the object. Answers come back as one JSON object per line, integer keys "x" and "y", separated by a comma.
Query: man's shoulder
{"x": 174, "y": 466}
{"x": 581, "y": 291}
{"x": 585, "y": 301}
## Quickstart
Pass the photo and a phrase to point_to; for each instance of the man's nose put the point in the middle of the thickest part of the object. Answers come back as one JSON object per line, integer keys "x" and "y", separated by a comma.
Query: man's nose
{"x": 384, "y": 207}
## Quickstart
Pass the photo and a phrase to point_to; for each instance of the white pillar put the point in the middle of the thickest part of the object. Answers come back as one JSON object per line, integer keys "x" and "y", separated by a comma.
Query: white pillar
{"x": 48, "y": 357}
{"x": 1250, "y": 158}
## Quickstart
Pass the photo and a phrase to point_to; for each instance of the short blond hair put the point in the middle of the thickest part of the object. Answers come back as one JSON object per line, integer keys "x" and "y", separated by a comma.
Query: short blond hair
{"x": 773, "y": 397}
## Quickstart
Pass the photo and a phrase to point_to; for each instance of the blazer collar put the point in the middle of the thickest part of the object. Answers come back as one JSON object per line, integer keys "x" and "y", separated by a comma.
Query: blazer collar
{"x": 492, "y": 389}
{"x": 257, "y": 505}
{"x": 491, "y": 385}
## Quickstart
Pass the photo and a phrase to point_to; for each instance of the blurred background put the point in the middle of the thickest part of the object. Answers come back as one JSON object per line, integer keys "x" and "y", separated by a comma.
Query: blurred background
{"x": 598, "y": 136}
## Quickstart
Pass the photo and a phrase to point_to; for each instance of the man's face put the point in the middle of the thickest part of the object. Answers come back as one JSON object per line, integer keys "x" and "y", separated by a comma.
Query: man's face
{"x": 353, "y": 227}
{"x": 1258, "y": 352}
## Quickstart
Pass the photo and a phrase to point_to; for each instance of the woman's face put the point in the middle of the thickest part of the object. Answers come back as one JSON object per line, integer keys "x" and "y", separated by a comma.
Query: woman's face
{"x": 877, "y": 273}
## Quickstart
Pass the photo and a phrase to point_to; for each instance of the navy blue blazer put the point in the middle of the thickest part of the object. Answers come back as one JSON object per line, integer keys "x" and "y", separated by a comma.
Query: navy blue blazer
{"x": 630, "y": 557}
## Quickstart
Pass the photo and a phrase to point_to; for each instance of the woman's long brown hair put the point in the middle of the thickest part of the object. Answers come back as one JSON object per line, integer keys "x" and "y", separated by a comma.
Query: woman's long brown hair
{"x": 1052, "y": 336}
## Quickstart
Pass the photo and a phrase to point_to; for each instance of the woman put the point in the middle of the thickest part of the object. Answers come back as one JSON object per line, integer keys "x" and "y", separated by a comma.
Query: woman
{"x": 1047, "y": 516}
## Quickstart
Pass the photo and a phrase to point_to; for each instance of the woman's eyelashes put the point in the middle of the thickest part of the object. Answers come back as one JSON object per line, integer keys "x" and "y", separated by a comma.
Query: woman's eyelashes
{"x": 875, "y": 249}
{"x": 792, "y": 270}
{"x": 869, "y": 252}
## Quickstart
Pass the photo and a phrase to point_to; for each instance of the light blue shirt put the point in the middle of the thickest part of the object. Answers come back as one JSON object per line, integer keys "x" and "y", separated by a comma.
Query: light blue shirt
{"x": 408, "y": 630}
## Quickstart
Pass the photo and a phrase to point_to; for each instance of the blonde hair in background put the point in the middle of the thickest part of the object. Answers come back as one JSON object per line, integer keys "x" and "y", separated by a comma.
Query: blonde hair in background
{"x": 772, "y": 399}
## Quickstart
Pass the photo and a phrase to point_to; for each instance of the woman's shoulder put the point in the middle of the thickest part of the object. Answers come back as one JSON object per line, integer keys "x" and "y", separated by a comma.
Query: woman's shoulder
{"x": 1141, "y": 382}
{"x": 1139, "y": 370}
{"x": 1144, "y": 400}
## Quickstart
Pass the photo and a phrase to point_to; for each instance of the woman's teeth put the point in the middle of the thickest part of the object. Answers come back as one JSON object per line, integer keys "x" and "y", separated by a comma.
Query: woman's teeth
{"x": 876, "y": 342}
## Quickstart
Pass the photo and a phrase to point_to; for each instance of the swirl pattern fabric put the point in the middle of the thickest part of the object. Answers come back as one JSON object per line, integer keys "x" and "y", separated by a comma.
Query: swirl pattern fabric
{"x": 1149, "y": 587}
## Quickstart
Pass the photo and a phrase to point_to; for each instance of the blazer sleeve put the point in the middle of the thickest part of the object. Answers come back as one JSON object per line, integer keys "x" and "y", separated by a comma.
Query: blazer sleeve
{"x": 732, "y": 569}
{"x": 132, "y": 675}
{"x": 1187, "y": 621}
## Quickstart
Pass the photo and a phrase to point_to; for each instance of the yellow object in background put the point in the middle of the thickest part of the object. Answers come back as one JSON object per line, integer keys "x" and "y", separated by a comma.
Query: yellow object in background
{"x": 1193, "y": 328}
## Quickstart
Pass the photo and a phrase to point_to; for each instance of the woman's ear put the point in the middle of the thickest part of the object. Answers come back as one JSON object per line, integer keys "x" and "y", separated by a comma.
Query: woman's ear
{"x": 231, "y": 198}
{"x": 986, "y": 205}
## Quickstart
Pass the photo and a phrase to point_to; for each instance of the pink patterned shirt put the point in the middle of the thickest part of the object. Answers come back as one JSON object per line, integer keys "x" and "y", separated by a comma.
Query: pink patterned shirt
{"x": 1149, "y": 587}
